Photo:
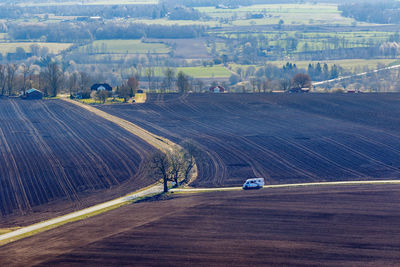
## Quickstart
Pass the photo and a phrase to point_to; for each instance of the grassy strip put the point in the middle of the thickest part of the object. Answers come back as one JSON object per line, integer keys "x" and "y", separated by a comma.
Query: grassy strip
{"x": 151, "y": 197}
{"x": 79, "y": 218}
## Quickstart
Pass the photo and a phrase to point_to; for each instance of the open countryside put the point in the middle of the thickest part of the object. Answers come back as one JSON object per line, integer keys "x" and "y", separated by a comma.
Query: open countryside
{"x": 199, "y": 132}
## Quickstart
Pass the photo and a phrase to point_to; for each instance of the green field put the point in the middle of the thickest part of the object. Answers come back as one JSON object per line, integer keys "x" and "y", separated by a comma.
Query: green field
{"x": 291, "y": 14}
{"x": 206, "y": 72}
{"x": 124, "y": 47}
{"x": 309, "y": 41}
{"x": 54, "y": 48}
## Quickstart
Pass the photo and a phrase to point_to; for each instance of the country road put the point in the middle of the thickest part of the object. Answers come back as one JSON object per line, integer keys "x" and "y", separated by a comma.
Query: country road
{"x": 74, "y": 215}
{"x": 40, "y": 227}
{"x": 356, "y": 75}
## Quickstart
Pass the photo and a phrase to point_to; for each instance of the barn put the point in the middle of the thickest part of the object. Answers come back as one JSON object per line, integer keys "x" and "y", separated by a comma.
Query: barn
{"x": 217, "y": 89}
{"x": 33, "y": 94}
{"x": 101, "y": 86}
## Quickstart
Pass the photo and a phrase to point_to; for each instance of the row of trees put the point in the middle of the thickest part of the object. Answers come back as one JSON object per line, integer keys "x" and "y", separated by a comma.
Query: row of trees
{"x": 84, "y": 31}
{"x": 377, "y": 11}
{"x": 154, "y": 11}
{"x": 24, "y": 76}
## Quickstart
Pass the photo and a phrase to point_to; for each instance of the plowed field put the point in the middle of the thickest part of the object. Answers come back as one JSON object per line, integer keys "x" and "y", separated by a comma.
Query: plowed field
{"x": 309, "y": 226}
{"x": 286, "y": 138}
{"x": 54, "y": 152}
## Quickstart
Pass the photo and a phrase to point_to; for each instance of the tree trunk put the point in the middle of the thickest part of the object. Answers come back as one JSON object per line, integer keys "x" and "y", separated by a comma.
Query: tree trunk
{"x": 165, "y": 185}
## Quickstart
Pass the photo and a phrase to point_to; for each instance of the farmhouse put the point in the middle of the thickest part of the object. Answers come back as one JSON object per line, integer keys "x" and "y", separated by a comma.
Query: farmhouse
{"x": 33, "y": 94}
{"x": 217, "y": 89}
{"x": 100, "y": 87}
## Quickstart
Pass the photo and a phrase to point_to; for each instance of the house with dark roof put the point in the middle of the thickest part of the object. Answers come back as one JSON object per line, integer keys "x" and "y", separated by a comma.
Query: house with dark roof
{"x": 217, "y": 89}
{"x": 33, "y": 94}
{"x": 100, "y": 87}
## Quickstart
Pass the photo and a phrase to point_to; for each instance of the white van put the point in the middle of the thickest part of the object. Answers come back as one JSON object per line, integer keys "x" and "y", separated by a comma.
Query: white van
{"x": 253, "y": 183}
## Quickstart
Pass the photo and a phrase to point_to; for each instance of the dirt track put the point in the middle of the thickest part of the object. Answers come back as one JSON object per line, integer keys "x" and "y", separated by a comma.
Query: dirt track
{"x": 286, "y": 138}
{"x": 58, "y": 158}
{"x": 355, "y": 225}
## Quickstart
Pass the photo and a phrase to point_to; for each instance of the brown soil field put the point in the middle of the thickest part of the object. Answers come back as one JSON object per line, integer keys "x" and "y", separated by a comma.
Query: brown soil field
{"x": 286, "y": 138}
{"x": 57, "y": 157}
{"x": 308, "y": 226}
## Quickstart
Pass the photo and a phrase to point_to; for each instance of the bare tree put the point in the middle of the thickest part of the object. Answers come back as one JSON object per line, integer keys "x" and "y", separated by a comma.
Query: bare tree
{"x": 183, "y": 82}
{"x": 199, "y": 84}
{"x": 133, "y": 84}
{"x": 84, "y": 81}
{"x": 26, "y": 72}
{"x": 124, "y": 92}
{"x": 52, "y": 75}
{"x": 253, "y": 82}
{"x": 285, "y": 84}
{"x": 11, "y": 69}
{"x": 301, "y": 80}
{"x": 266, "y": 85}
{"x": 169, "y": 78}
{"x": 191, "y": 152}
{"x": 101, "y": 95}
{"x": 160, "y": 165}
{"x": 3, "y": 78}
{"x": 149, "y": 73}
{"x": 177, "y": 165}
{"x": 73, "y": 82}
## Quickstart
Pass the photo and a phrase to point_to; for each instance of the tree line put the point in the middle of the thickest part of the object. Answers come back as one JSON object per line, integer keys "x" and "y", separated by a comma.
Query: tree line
{"x": 84, "y": 31}
{"x": 383, "y": 12}
{"x": 148, "y": 11}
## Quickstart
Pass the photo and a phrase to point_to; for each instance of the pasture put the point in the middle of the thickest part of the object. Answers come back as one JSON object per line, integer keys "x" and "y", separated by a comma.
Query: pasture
{"x": 291, "y": 14}
{"x": 336, "y": 226}
{"x": 206, "y": 72}
{"x": 284, "y": 138}
{"x": 54, "y": 48}
{"x": 54, "y": 152}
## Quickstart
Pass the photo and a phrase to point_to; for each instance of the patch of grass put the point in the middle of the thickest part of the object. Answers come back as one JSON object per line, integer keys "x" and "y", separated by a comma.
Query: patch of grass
{"x": 206, "y": 72}
{"x": 110, "y": 100}
{"x": 156, "y": 197}
{"x": 13, "y": 239}
{"x": 54, "y": 48}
